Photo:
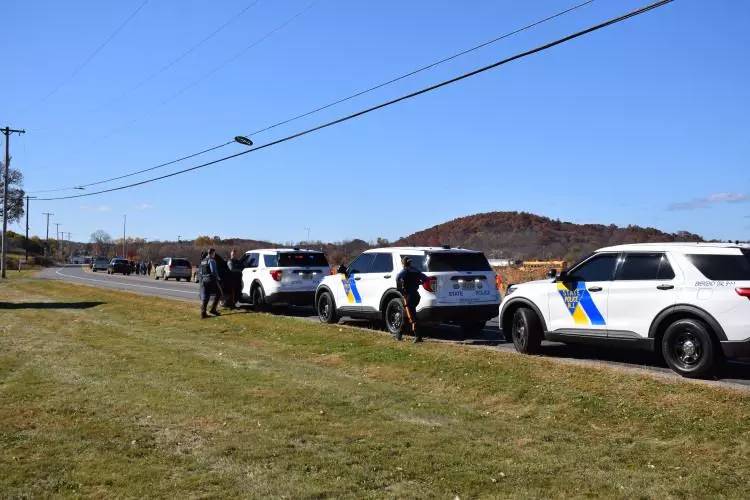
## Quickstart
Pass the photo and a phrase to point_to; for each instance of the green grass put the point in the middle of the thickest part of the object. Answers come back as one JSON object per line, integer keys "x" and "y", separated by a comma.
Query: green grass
{"x": 137, "y": 397}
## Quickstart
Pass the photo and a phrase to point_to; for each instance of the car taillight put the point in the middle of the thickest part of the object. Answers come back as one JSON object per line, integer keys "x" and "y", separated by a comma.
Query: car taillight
{"x": 745, "y": 292}
{"x": 276, "y": 275}
{"x": 431, "y": 284}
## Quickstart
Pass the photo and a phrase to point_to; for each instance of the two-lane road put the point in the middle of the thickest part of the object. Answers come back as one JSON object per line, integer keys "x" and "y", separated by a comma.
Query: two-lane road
{"x": 735, "y": 374}
{"x": 144, "y": 285}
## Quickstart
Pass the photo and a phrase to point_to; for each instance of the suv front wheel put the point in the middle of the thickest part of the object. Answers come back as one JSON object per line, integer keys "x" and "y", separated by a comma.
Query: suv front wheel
{"x": 526, "y": 331}
{"x": 326, "y": 308}
{"x": 688, "y": 348}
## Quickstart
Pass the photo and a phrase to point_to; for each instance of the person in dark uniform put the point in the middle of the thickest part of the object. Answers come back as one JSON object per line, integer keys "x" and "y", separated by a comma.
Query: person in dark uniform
{"x": 210, "y": 283}
{"x": 407, "y": 283}
{"x": 234, "y": 281}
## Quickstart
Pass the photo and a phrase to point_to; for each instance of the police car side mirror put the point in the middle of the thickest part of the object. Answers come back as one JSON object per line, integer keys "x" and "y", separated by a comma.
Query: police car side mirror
{"x": 552, "y": 273}
{"x": 341, "y": 269}
{"x": 563, "y": 277}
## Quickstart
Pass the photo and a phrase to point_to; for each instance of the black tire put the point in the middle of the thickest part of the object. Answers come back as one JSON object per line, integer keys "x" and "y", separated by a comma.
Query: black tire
{"x": 689, "y": 349}
{"x": 473, "y": 328}
{"x": 164, "y": 277}
{"x": 526, "y": 331}
{"x": 259, "y": 298}
{"x": 394, "y": 317}
{"x": 326, "y": 308}
{"x": 156, "y": 277}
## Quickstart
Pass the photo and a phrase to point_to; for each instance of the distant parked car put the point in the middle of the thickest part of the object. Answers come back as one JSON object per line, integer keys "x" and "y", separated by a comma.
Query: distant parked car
{"x": 119, "y": 266}
{"x": 100, "y": 264}
{"x": 171, "y": 267}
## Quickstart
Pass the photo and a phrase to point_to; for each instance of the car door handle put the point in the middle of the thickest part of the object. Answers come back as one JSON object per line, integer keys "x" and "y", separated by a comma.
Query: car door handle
{"x": 387, "y": 276}
{"x": 357, "y": 278}
{"x": 595, "y": 289}
{"x": 665, "y": 287}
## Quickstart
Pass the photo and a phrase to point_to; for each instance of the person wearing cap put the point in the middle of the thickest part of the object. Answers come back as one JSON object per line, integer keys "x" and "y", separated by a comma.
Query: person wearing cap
{"x": 407, "y": 283}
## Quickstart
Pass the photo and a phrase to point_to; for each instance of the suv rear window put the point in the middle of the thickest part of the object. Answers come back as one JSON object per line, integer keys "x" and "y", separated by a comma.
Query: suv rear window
{"x": 120, "y": 261}
{"x": 457, "y": 261}
{"x": 295, "y": 259}
{"x": 723, "y": 267}
{"x": 180, "y": 263}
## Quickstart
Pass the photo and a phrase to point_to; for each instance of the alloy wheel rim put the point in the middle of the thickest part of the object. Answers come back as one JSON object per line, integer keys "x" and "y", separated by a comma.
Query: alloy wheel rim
{"x": 394, "y": 318}
{"x": 687, "y": 349}
{"x": 519, "y": 331}
{"x": 325, "y": 307}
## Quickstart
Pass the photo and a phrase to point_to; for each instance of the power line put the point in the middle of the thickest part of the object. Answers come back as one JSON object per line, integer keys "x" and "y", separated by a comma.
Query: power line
{"x": 334, "y": 103}
{"x": 96, "y": 51}
{"x": 425, "y": 90}
{"x": 211, "y": 72}
{"x": 183, "y": 55}
{"x": 423, "y": 68}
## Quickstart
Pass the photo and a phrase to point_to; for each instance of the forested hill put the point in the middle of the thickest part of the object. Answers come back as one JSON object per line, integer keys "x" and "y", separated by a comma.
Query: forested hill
{"x": 523, "y": 235}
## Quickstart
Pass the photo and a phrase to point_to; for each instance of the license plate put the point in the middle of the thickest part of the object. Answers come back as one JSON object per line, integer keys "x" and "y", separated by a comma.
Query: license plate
{"x": 467, "y": 285}
{"x": 307, "y": 276}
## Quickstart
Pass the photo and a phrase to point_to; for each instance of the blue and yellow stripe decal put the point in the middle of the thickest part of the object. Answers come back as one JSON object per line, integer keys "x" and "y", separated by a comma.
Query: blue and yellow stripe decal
{"x": 580, "y": 304}
{"x": 350, "y": 287}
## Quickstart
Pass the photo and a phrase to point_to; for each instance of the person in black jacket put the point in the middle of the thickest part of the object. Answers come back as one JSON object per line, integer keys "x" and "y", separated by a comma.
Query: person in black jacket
{"x": 210, "y": 283}
{"x": 233, "y": 281}
{"x": 407, "y": 282}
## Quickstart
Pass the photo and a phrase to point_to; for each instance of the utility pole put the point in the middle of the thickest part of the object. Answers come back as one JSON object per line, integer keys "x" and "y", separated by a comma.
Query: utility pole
{"x": 27, "y": 227}
{"x": 57, "y": 234}
{"x": 124, "y": 244}
{"x": 308, "y": 235}
{"x": 46, "y": 247}
{"x": 70, "y": 245}
{"x": 6, "y": 131}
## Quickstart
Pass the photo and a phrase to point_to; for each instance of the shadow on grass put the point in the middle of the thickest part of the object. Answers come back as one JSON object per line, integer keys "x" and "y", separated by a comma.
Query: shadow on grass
{"x": 49, "y": 305}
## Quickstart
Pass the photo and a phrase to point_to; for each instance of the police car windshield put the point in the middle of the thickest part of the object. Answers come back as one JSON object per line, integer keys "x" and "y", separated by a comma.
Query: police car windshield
{"x": 457, "y": 261}
{"x": 296, "y": 259}
{"x": 723, "y": 267}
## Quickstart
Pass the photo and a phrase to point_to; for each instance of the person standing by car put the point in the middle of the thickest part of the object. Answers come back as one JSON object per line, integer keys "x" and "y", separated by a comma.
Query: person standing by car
{"x": 234, "y": 278}
{"x": 407, "y": 283}
{"x": 209, "y": 283}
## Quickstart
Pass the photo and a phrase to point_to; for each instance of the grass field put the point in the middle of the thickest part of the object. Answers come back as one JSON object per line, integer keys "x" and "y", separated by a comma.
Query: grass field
{"x": 110, "y": 394}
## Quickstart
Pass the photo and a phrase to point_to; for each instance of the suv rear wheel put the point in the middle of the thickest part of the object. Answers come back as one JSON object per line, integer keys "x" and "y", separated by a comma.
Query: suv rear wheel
{"x": 326, "y": 308}
{"x": 259, "y": 298}
{"x": 526, "y": 331}
{"x": 688, "y": 348}
{"x": 395, "y": 317}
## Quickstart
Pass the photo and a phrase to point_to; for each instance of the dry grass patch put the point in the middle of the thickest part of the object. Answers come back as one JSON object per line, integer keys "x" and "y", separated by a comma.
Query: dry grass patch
{"x": 111, "y": 400}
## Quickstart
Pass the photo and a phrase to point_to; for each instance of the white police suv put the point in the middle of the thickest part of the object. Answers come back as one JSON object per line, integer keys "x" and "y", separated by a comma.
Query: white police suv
{"x": 281, "y": 276}
{"x": 461, "y": 288}
{"x": 689, "y": 302}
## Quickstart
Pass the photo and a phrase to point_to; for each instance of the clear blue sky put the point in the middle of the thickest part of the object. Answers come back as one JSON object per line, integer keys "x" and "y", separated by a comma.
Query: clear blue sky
{"x": 644, "y": 123}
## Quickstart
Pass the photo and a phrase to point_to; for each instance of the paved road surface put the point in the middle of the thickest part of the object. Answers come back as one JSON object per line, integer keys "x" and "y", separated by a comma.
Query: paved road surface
{"x": 735, "y": 373}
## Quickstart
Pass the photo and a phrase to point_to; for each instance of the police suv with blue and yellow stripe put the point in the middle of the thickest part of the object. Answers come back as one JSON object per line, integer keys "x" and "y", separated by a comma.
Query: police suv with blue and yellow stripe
{"x": 460, "y": 288}
{"x": 687, "y": 302}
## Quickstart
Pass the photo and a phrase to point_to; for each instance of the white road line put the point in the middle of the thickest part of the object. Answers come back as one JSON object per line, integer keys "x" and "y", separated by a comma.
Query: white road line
{"x": 192, "y": 292}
